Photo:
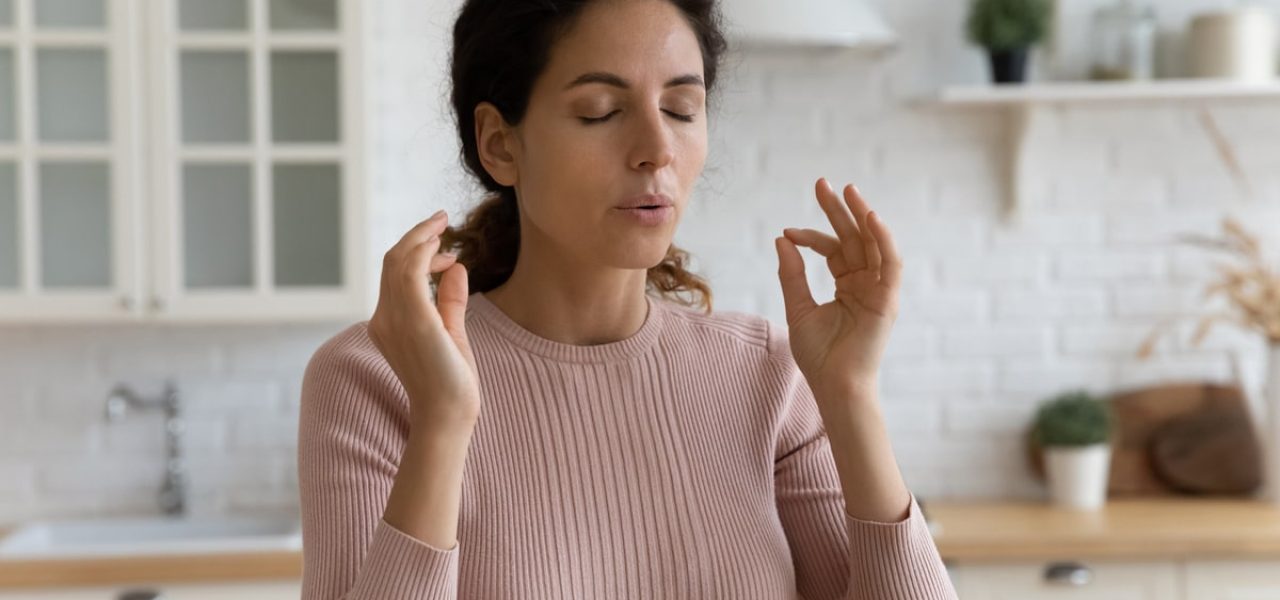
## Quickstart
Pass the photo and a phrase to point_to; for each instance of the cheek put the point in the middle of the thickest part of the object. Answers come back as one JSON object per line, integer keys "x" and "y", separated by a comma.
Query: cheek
{"x": 693, "y": 156}
{"x": 564, "y": 184}
{"x": 576, "y": 175}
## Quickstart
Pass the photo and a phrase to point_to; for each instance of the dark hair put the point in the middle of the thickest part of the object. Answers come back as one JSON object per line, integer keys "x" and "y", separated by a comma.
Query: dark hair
{"x": 500, "y": 47}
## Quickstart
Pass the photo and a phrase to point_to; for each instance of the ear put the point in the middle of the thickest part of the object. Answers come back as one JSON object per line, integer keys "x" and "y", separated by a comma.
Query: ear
{"x": 495, "y": 140}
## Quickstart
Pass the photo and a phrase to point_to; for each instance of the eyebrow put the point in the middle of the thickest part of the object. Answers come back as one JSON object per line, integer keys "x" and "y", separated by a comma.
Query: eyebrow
{"x": 616, "y": 81}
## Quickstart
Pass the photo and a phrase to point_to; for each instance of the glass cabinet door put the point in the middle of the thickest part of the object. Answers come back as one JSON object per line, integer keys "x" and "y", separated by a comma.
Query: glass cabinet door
{"x": 242, "y": 203}
{"x": 258, "y": 183}
{"x": 9, "y": 241}
{"x": 67, "y": 198}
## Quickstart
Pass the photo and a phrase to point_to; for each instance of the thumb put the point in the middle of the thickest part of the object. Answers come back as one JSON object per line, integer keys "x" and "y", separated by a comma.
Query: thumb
{"x": 451, "y": 298}
{"x": 796, "y": 295}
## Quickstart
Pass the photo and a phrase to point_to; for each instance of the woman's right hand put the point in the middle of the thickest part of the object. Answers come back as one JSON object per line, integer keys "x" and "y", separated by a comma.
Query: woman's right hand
{"x": 424, "y": 339}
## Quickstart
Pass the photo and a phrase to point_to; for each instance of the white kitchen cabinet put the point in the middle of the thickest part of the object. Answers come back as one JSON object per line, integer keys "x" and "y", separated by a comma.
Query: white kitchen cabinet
{"x": 266, "y": 590}
{"x": 1188, "y": 548}
{"x": 1232, "y": 579}
{"x": 1193, "y": 579}
{"x": 69, "y": 187}
{"x": 1068, "y": 580}
{"x": 181, "y": 160}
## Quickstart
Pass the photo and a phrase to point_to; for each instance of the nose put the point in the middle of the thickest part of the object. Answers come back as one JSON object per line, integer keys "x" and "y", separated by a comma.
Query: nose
{"x": 653, "y": 148}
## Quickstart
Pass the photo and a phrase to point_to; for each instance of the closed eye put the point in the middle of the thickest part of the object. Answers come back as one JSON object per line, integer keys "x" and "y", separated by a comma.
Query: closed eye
{"x": 676, "y": 116}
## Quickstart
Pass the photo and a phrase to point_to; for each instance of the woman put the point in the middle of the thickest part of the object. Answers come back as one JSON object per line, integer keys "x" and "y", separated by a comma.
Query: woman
{"x": 616, "y": 444}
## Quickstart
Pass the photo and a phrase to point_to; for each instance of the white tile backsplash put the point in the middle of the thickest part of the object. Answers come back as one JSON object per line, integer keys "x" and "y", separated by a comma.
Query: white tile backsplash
{"x": 994, "y": 317}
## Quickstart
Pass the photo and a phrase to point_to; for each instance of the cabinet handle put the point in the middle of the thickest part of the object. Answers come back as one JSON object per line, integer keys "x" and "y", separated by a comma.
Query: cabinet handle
{"x": 140, "y": 594}
{"x": 1068, "y": 574}
{"x": 157, "y": 303}
{"x": 126, "y": 302}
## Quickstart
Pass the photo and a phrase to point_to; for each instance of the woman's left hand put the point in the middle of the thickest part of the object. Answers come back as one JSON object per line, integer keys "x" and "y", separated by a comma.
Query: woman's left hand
{"x": 839, "y": 344}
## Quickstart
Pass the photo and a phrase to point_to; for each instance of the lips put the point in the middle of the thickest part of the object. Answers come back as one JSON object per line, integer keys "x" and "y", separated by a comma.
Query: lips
{"x": 647, "y": 201}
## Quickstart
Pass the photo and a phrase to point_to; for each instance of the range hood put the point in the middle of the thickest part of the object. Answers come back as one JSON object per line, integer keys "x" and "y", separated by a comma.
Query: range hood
{"x": 807, "y": 23}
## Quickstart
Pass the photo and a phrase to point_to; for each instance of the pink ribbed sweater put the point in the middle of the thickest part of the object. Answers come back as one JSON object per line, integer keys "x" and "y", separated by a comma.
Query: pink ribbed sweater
{"x": 685, "y": 461}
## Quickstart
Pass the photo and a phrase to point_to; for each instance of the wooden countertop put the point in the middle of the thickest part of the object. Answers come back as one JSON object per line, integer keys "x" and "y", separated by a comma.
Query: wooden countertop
{"x": 1126, "y": 528}
{"x": 967, "y": 531}
{"x": 224, "y": 567}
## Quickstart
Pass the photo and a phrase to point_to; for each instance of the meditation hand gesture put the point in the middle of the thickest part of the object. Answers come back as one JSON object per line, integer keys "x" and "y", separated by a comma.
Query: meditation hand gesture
{"x": 839, "y": 344}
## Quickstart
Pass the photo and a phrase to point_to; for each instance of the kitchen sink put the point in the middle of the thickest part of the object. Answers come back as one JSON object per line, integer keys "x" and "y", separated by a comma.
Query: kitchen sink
{"x": 124, "y": 536}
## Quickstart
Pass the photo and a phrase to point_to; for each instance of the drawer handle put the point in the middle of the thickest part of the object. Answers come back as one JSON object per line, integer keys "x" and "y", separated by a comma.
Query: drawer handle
{"x": 1068, "y": 574}
{"x": 141, "y": 594}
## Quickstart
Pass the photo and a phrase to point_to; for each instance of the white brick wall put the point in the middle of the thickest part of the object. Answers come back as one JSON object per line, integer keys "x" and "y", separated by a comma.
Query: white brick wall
{"x": 995, "y": 317}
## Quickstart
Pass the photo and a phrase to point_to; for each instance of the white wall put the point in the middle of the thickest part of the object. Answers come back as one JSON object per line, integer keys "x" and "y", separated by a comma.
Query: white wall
{"x": 995, "y": 317}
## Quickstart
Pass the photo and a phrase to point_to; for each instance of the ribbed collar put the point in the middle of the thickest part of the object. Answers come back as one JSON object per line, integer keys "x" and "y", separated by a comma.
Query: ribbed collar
{"x": 643, "y": 339}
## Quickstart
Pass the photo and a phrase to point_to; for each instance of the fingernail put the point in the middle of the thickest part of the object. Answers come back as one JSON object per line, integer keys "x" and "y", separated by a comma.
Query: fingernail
{"x": 437, "y": 215}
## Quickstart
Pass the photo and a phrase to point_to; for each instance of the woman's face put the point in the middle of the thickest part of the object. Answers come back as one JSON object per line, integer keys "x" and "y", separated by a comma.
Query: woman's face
{"x": 636, "y": 65}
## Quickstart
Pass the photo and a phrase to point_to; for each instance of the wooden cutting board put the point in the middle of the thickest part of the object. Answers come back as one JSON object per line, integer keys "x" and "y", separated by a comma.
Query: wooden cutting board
{"x": 1176, "y": 439}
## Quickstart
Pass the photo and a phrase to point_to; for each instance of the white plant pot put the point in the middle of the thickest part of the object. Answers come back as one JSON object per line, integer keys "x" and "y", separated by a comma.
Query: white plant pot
{"x": 1078, "y": 475}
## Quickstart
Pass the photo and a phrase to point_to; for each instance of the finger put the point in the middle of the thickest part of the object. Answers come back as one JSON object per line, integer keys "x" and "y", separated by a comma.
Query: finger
{"x": 419, "y": 259}
{"x": 842, "y": 221}
{"x": 414, "y": 269}
{"x": 796, "y": 296}
{"x": 859, "y": 207}
{"x": 424, "y": 230}
{"x": 441, "y": 261}
{"x": 823, "y": 243}
{"x": 891, "y": 270}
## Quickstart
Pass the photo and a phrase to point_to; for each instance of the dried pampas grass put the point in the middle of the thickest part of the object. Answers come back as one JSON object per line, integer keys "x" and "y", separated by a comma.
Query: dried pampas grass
{"x": 1252, "y": 287}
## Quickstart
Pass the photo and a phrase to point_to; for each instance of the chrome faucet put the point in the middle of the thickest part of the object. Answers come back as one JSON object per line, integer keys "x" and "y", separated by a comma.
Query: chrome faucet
{"x": 173, "y": 491}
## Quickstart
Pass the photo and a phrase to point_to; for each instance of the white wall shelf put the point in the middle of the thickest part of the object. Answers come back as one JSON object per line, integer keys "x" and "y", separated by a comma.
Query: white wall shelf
{"x": 1105, "y": 91}
{"x": 1028, "y": 105}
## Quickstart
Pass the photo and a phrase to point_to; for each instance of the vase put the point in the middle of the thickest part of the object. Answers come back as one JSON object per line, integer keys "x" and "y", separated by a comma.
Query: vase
{"x": 1271, "y": 432}
{"x": 1078, "y": 475}
{"x": 1236, "y": 43}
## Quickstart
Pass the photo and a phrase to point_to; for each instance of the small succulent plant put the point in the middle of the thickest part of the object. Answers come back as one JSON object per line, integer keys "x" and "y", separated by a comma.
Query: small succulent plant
{"x": 1073, "y": 418}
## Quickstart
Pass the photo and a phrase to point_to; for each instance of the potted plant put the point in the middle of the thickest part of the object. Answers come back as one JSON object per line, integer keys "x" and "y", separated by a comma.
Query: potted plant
{"x": 1008, "y": 29}
{"x": 1074, "y": 430}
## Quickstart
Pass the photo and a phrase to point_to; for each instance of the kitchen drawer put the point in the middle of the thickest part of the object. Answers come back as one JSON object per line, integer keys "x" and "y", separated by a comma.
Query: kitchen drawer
{"x": 1052, "y": 580}
{"x": 1234, "y": 579}
{"x": 265, "y": 590}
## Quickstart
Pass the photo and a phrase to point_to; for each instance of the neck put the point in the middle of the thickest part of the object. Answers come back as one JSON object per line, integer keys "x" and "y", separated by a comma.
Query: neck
{"x": 606, "y": 309}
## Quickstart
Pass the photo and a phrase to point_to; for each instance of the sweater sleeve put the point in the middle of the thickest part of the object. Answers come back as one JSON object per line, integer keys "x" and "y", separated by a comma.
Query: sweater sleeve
{"x": 353, "y": 426}
{"x": 836, "y": 555}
